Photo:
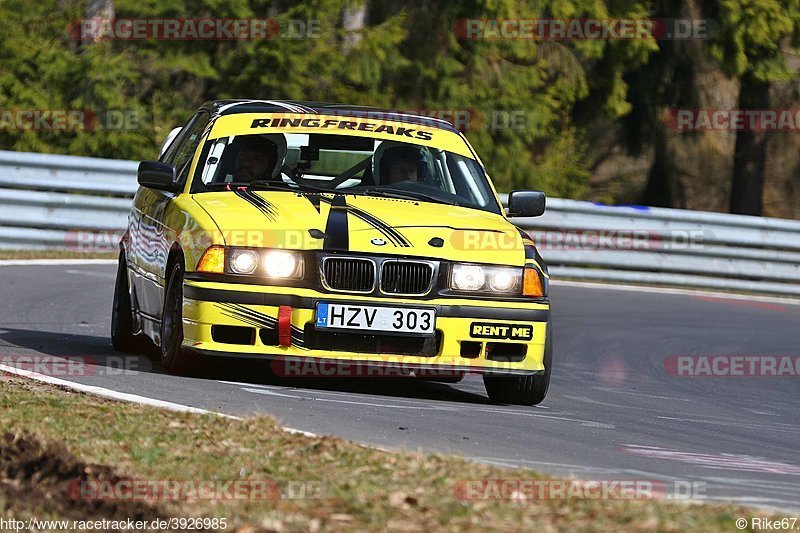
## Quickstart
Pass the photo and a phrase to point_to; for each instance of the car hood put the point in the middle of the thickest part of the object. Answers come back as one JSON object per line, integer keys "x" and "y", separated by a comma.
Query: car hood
{"x": 362, "y": 224}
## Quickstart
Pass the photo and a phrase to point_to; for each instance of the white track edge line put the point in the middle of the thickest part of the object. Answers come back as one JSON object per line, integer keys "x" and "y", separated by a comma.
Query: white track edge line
{"x": 134, "y": 398}
{"x": 48, "y": 262}
{"x": 130, "y": 398}
{"x": 671, "y": 290}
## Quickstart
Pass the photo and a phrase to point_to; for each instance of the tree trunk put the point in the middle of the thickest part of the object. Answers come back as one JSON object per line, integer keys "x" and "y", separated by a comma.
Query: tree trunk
{"x": 660, "y": 189}
{"x": 749, "y": 161}
{"x": 691, "y": 169}
{"x": 353, "y": 19}
{"x": 98, "y": 9}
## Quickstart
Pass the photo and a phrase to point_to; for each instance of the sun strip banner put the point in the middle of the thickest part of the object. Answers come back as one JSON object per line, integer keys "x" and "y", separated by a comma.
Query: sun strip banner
{"x": 375, "y": 127}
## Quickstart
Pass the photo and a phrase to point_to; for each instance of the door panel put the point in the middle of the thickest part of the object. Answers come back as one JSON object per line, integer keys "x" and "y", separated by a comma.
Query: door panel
{"x": 156, "y": 238}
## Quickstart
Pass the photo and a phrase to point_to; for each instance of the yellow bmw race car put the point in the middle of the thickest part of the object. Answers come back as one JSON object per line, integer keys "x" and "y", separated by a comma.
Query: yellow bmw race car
{"x": 311, "y": 234}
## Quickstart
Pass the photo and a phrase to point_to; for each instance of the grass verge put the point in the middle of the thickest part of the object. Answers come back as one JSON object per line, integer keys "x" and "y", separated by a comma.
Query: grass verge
{"x": 49, "y": 437}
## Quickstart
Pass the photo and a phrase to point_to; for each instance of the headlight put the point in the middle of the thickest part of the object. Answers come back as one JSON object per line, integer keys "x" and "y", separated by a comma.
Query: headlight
{"x": 243, "y": 261}
{"x": 467, "y": 278}
{"x": 490, "y": 279}
{"x": 281, "y": 264}
{"x": 502, "y": 281}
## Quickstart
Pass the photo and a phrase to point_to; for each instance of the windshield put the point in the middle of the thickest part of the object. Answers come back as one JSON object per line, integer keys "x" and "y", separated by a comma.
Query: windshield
{"x": 353, "y": 165}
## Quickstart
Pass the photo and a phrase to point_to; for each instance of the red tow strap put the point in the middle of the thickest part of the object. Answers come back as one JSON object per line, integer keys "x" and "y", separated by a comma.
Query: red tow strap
{"x": 285, "y": 325}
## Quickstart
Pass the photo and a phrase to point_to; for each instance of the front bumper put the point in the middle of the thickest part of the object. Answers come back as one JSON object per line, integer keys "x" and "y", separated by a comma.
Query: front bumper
{"x": 471, "y": 335}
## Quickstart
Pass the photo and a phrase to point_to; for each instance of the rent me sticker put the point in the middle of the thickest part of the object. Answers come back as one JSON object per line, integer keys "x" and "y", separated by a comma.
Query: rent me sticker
{"x": 488, "y": 330}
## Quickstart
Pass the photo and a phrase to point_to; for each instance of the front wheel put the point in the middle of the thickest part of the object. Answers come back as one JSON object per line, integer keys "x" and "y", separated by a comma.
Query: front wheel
{"x": 173, "y": 357}
{"x": 522, "y": 390}
{"x": 122, "y": 337}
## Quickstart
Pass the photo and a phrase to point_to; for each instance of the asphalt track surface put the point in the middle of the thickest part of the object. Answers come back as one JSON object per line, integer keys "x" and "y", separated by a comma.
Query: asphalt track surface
{"x": 614, "y": 410}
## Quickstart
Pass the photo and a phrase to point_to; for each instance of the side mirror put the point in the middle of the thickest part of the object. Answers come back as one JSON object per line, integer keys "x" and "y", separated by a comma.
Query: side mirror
{"x": 155, "y": 175}
{"x": 526, "y": 203}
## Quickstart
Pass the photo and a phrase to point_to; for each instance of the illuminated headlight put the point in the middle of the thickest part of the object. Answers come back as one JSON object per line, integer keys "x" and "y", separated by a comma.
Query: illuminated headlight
{"x": 243, "y": 261}
{"x": 467, "y": 278}
{"x": 490, "y": 279}
{"x": 502, "y": 280}
{"x": 282, "y": 264}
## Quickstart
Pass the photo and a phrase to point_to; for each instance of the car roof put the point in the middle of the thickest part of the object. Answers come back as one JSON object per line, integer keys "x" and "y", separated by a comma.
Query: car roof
{"x": 230, "y": 107}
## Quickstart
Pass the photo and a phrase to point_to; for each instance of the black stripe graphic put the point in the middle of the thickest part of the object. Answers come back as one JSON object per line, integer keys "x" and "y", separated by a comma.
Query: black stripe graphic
{"x": 450, "y": 227}
{"x": 260, "y": 320}
{"x": 394, "y": 236}
{"x": 298, "y": 337}
{"x": 336, "y": 229}
{"x": 245, "y": 314}
{"x": 267, "y": 208}
{"x": 314, "y": 199}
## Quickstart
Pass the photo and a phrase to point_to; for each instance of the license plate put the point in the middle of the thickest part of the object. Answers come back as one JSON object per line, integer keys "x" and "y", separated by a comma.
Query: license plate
{"x": 368, "y": 318}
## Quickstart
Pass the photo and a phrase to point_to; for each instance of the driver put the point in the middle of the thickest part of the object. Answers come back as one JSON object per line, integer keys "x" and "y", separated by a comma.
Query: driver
{"x": 255, "y": 159}
{"x": 399, "y": 164}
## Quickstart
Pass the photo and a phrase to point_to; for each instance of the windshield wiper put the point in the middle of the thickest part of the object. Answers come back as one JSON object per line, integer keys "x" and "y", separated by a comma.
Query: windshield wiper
{"x": 407, "y": 195}
{"x": 283, "y": 186}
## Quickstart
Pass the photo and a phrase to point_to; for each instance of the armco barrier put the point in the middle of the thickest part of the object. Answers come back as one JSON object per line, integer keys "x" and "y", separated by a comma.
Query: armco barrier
{"x": 45, "y": 199}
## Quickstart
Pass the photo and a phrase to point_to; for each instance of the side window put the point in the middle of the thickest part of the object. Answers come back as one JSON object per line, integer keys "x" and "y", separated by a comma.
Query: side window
{"x": 168, "y": 146}
{"x": 182, "y": 151}
{"x": 176, "y": 143}
{"x": 185, "y": 153}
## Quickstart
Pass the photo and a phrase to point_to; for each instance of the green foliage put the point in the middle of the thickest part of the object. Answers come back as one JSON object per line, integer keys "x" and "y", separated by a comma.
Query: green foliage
{"x": 45, "y": 69}
{"x": 407, "y": 56}
{"x": 751, "y": 35}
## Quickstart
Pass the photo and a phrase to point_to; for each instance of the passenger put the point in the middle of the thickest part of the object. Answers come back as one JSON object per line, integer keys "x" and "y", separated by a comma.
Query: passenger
{"x": 399, "y": 164}
{"x": 255, "y": 159}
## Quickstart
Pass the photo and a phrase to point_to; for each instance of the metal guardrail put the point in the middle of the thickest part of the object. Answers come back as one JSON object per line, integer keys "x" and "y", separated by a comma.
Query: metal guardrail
{"x": 46, "y": 200}
{"x": 49, "y": 201}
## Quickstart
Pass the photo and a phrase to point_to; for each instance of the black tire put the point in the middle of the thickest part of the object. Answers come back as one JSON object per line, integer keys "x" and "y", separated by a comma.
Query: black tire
{"x": 523, "y": 390}
{"x": 173, "y": 357}
{"x": 122, "y": 337}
